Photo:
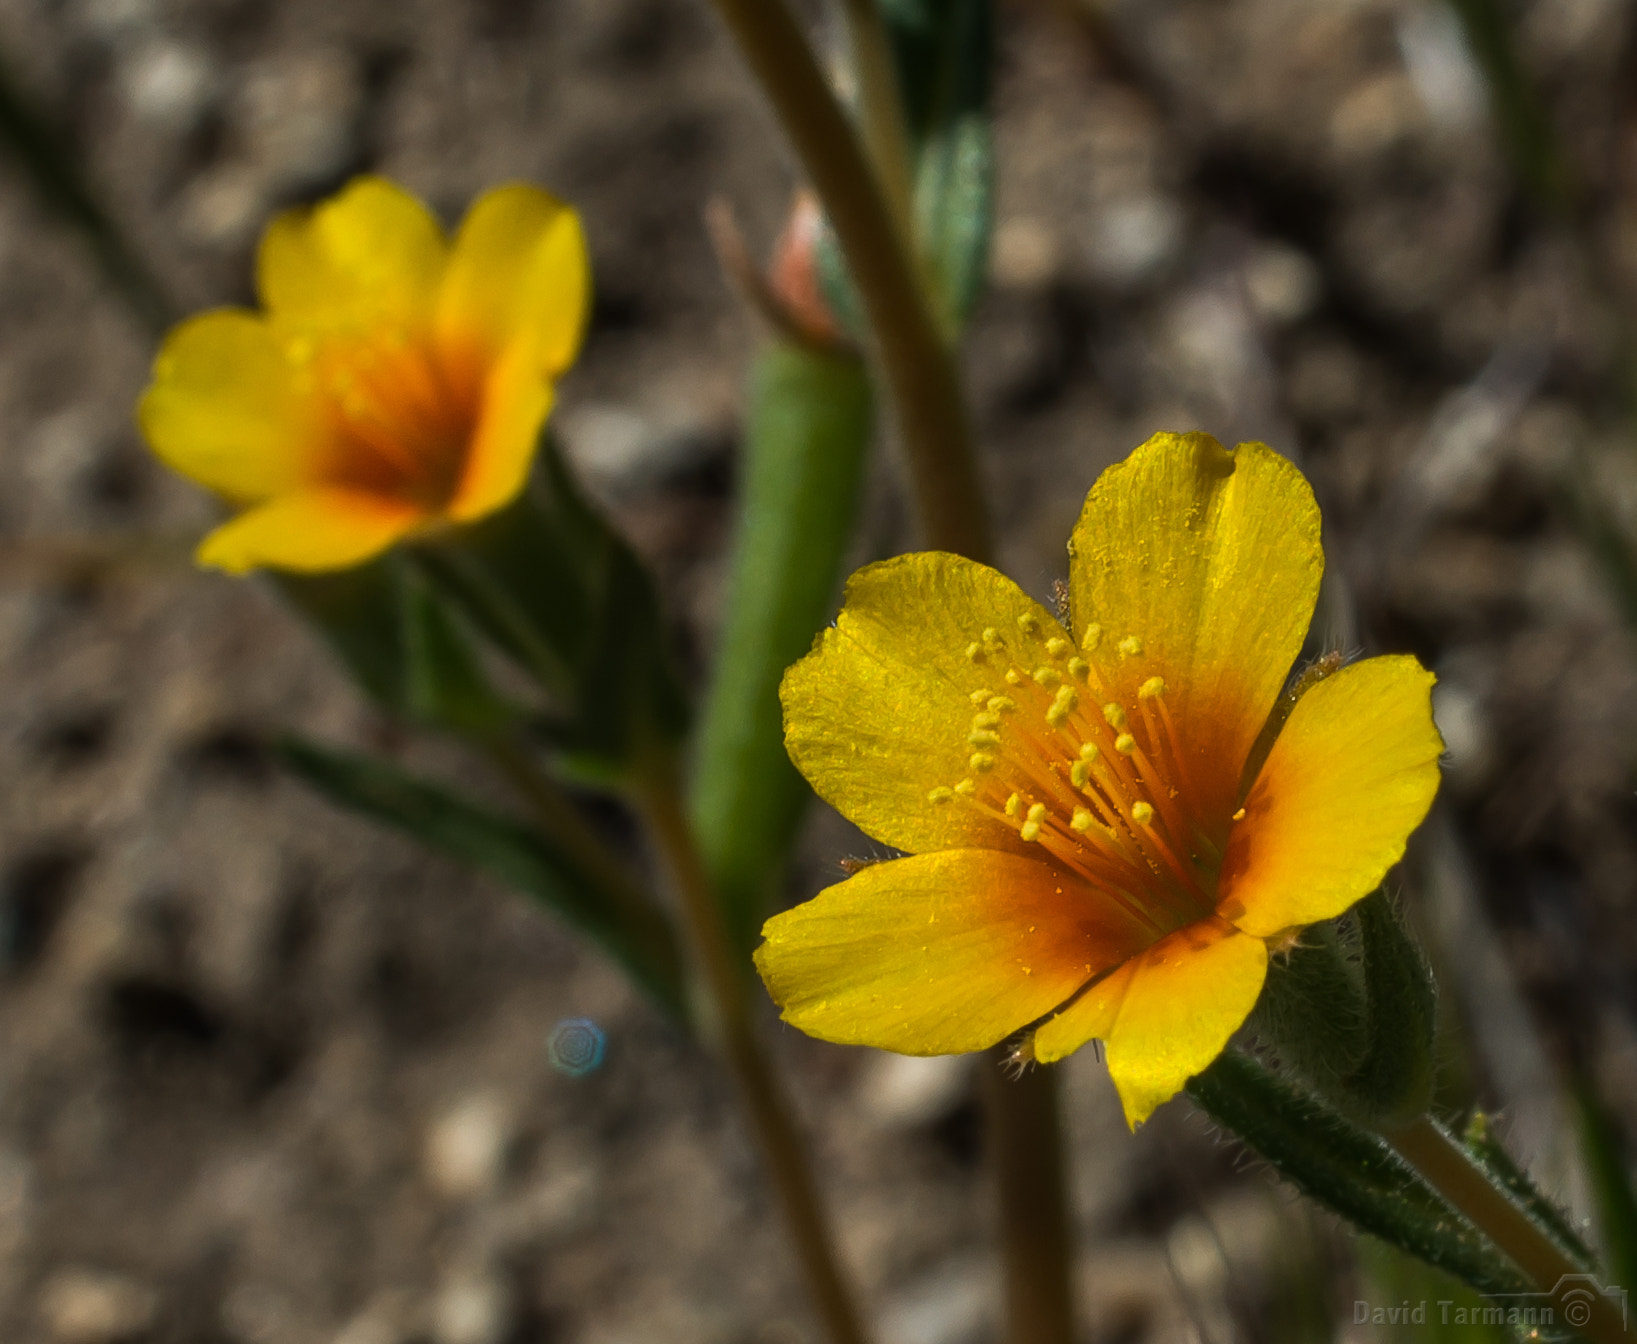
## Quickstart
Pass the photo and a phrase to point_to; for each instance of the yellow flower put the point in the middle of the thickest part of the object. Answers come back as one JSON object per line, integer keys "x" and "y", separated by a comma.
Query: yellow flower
{"x": 393, "y": 381}
{"x": 1093, "y": 849}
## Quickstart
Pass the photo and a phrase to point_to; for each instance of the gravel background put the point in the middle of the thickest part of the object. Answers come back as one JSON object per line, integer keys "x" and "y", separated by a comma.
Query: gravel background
{"x": 269, "y": 1076}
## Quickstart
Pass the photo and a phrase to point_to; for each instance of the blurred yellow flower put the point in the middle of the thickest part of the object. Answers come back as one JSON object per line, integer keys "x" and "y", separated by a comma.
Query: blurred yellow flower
{"x": 1102, "y": 843}
{"x": 394, "y": 381}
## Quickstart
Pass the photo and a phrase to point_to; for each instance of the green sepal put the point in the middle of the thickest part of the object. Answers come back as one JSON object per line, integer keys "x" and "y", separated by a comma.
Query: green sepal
{"x": 1611, "y": 1183}
{"x": 1352, "y": 1012}
{"x": 1481, "y": 1141}
{"x": 557, "y": 590}
{"x": 633, "y": 932}
{"x": 1348, "y": 1169}
{"x": 399, "y": 642}
{"x": 807, "y": 434}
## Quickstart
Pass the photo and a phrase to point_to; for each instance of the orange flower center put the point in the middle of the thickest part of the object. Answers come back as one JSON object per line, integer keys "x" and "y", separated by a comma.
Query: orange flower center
{"x": 1101, "y": 786}
{"x": 403, "y": 419}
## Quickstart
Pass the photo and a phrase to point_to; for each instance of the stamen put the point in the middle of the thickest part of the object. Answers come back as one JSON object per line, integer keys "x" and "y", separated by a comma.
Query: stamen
{"x": 1047, "y": 676}
{"x": 992, "y": 636}
{"x": 981, "y": 761}
{"x": 1131, "y": 646}
{"x": 975, "y": 653}
{"x": 1014, "y": 677}
{"x": 978, "y": 698}
{"x": 1028, "y": 623}
{"x": 1142, "y": 813}
{"x": 1063, "y": 704}
{"x": 1114, "y": 716}
{"x": 1031, "y": 825}
{"x": 1089, "y": 751}
{"x": 966, "y": 788}
{"x": 1125, "y": 744}
{"x": 1079, "y": 668}
{"x": 1154, "y": 686}
{"x": 942, "y": 794}
{"x": 1057, "y": 646}
{"x": 1014, "y": 806}
{"x": 1001, "y": 704}
{"x": 1082, "y": 820}
{"x": 1092, "y": 637}
{"x": 982, "y": 737}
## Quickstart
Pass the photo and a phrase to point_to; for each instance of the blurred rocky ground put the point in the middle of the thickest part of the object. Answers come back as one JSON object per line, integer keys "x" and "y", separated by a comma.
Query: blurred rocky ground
{"x": 270, "y": 1076}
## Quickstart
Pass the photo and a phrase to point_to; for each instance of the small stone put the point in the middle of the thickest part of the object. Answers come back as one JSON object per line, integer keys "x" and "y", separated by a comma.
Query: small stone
{"x": 1283, "y": 284}
{"x": 903, "y": 1091}
{"x": 91, "y": 1306}
{"x": 472, "y": 1307}
{"x": 466, "y": 1146}
{"x": 957, "y": 1303}
{"x": 1134, "y": 237}
{"x": 1026, "y": 254}
{"x": 167, "y": 84}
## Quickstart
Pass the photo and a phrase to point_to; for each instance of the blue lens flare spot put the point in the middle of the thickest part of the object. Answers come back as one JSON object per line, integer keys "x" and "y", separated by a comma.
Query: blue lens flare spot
{"x": 576, "y": 1047}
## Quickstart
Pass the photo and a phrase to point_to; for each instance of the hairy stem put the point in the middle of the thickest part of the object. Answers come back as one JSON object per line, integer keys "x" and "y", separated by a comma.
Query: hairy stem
{"x": 1445, "y": 1166}
{"x": 917, "y": 366}
{"x": 734, "y": 1030}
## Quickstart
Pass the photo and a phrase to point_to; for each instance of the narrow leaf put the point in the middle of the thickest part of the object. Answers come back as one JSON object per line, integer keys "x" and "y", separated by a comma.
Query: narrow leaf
{"x": 807, "y": 433}
{"x": 636, "y": 935}
{"x": 1611, "y": 1186}
{"x": 1348, "y": 1170}
{"x": 1485, "y": 1145}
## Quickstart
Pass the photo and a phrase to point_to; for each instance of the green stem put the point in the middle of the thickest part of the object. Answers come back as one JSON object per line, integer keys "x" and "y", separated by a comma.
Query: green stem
{"x": 881, "y": 111}
{"x": 1445, "y": 1166}
{"x": 918, "y": 367}
{"x": 659, "y": 798}
{"x": 1026, "y": 1153}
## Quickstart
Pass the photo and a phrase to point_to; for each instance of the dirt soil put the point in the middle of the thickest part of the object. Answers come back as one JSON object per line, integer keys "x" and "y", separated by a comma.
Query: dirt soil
{"x": 271, "y": 1076}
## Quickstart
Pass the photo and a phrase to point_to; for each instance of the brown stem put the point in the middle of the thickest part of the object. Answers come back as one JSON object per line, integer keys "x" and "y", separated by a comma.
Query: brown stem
{"x": 734, "y": 1028}
{"x": 921, "y": 375}
{"x": 1446, "y": 1167}
{"x": 918, "y": 367}
{"x": 1026, "y": 1154}
{"x": 881, "y": 110}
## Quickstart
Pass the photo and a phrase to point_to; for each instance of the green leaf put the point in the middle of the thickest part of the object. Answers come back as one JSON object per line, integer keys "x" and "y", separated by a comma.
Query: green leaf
{"x": 807, "y": 434}
{"x": 1525, "y": 130}
{"x": 399, "y": 642}
{"x": 551, "y": 584}
{"x": 1484, "y": 1144}
{"x": 944, "y": 50}
{"x": 1611, "y": 1183}
{"x": 1348, "y": 1169}
{"x": 616, "y": 916}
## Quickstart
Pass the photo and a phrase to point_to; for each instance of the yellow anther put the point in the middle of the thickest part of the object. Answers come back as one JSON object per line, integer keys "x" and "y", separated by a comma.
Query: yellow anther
{"x": 1079, "y": 773}
{"x": 1142, "y": 813}
{"x": 1239, "y": 815}
{"x": 1014, "y": 677}
{"x": 1131, "y": 646}
{"x": 981, "y": 761}
{"x": 1057, "y": 646}
{"x": 974, "y": 653}
{"x": 1001, "y": 704}
{"x": 1092, "y": 637}
{"x": 1079, "y": 668}
{"x": 1028, "y": 623}
{"x": 1081, "y": 821}
{"x": 1047, "y": 676}
{"x": 1152, "y": 689}
{"x": 982, "y": 737}
{"x": 1125, "y": 744}
{"x": 991, "y": 635}
{"x": 1014, "y": 806}
{"x": 988, "y": 719}
{"x": 1089, "y": 751}
{"x": 942, "y": 794}
{"x": 1113, "y": 715}
{"x": 966, "y": 788}
{"x": 977, "y": 698}
{"x": 1030, "y": 830}
{"x": 1064, "y": 704}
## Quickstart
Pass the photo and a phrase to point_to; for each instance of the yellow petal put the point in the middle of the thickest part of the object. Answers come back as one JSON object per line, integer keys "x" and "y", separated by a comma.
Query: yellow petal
{"x": 878, "y": 714}
{"x": 939, "y": 953}
{"x": 1211, "y": 560}
{"x": 516, "y": 401}
{"x": 1351, "y": 774}
{"x": 1165, "y": 1014}
{"x": 519, "y": 274}
{"x": 309, "y": 531}
{"x": 369, "y": 255}
{"x": 222, "y": 409}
